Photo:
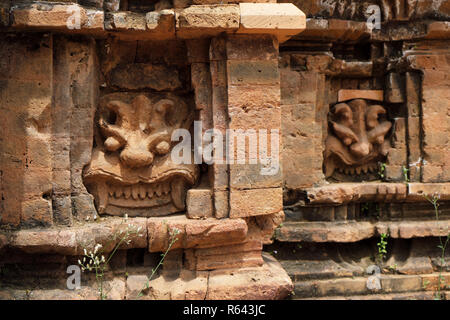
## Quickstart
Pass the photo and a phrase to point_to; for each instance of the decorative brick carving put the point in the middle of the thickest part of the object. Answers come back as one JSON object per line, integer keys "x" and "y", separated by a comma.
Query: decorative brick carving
{"x": 131, "y": 169}
{"x": 356, "y": 139}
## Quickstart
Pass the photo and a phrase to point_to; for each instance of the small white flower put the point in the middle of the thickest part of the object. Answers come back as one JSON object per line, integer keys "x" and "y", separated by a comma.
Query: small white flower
{"x": 97, "y": 247}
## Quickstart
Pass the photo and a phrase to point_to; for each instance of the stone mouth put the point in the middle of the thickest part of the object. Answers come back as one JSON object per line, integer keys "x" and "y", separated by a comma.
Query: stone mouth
{"x": 339, "y": 160}
{"x": 139, "y": 194}
{"x": 160, "y": 187}
{"x": 358, "y": 170}
{"x": 348, "y": 160}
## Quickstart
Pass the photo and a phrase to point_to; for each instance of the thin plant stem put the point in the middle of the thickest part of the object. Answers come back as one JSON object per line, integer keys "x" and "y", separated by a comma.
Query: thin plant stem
{"x": 442, "y": 244}
{"x": 173, "y": 239}
{"x": 99, "y": 265}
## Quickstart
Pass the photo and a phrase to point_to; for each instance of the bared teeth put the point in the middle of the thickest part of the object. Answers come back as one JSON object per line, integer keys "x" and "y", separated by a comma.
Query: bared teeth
{"x": 149, "y": 191}
{"x": 139, "y": 191}
{"x": 127, "y": 192}
{"x": 135, "y": 191}
{"x": 142, "y": 191}
{"x": 166, "y": 187}
{"x": 159, "y": 190}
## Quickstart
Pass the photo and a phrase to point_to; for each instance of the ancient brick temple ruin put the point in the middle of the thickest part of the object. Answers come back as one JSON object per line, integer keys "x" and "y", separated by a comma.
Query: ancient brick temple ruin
{"x": 355, "y": 95}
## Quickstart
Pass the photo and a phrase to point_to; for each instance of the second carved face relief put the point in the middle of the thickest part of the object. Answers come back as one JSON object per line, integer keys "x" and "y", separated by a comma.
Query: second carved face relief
{"x": 357, "y": 139}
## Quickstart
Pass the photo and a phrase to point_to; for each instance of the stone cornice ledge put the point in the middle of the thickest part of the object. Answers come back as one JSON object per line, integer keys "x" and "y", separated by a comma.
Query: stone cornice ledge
{"x": 354, "y": 231}
{"x": 154, "y": 235}
{"x": 342, "y": 193}
{"x": 280, "y": 19}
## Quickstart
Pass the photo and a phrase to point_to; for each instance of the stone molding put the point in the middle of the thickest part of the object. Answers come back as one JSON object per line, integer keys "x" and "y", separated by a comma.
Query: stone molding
{"x": 340, "y": 193}
{"x": 197, "y": 21}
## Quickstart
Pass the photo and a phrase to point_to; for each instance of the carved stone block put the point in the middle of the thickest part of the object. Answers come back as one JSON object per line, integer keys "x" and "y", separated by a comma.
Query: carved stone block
{"x": 131, "y": 170}
{"x": 356, "y": 141}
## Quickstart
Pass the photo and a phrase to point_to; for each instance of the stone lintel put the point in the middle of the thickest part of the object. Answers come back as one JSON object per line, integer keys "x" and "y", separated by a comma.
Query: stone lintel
{"x": 196, "y": 21}
{"x": 346, "y": 94}
{"x": 281, "y": 19}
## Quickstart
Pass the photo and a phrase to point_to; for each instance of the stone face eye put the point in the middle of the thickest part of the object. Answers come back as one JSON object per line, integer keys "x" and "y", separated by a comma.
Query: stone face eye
{"x": 162, "y": 148}
{"x": 111, "y": 117}
{"x": 112, "y": 144}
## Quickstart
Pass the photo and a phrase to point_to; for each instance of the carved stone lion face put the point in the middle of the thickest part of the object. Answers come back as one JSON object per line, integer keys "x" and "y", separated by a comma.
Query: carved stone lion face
{"x": 356, "y": 141}
{"x": 131, "y": 170}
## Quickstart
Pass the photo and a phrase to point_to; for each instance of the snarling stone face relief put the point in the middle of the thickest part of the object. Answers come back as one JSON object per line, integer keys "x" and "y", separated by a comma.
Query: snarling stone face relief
{"x": 356, "y": 140}
{"x": 131, "y": 170}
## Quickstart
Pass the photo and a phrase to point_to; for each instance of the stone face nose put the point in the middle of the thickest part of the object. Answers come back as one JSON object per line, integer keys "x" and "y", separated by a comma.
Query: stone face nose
{"x": 135, "y": 158}
{"x": 360, "y": 149}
